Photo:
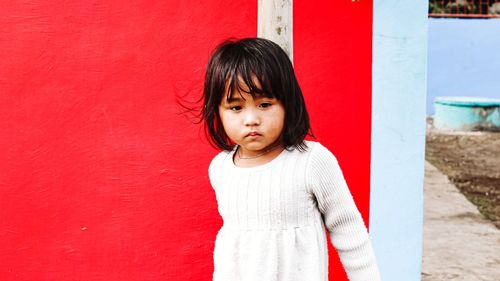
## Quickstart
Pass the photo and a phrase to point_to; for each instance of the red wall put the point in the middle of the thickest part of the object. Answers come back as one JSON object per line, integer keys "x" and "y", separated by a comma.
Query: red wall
{"x": 333, "y": 55}
{"x": 101, "y": 178}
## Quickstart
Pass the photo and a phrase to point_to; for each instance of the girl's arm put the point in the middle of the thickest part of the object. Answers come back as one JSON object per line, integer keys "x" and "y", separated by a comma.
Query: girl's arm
{"x": 346, "y": 228}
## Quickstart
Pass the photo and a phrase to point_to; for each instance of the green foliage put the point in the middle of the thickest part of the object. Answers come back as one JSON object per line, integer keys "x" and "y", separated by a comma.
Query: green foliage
{"x": 436, "y": 8}
{"x": 464, "y": 7}
{"x": 494, "y": 9}
{"x": 460, "y": 7}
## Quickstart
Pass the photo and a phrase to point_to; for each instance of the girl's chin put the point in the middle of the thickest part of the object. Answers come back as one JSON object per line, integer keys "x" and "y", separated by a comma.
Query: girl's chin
{"x": 256, "y": 148}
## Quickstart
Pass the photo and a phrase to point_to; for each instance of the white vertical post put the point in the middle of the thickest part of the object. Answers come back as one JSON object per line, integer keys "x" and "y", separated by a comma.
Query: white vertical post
{"x": 275, "y": 18}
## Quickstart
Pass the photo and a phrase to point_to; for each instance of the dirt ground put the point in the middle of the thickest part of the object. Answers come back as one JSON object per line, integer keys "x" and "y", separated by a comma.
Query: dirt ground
{"x": 472, "y": 162}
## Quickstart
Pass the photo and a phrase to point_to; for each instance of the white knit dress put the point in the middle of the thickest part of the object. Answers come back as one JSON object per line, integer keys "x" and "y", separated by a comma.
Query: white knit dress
{"x": 275, "y": 216}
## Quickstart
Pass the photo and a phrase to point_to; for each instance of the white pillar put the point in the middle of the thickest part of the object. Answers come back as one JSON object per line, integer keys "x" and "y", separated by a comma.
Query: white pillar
{"x": 275, "y": 18}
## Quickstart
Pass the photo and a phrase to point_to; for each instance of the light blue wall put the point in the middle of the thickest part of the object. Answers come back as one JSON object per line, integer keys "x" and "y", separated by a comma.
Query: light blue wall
{"x": 398, "y": 136}
{"x": 464, "y": 58}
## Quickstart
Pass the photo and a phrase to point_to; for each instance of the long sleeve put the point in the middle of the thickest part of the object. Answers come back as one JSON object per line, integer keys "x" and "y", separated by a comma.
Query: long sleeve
{"x": 345, "y": 225}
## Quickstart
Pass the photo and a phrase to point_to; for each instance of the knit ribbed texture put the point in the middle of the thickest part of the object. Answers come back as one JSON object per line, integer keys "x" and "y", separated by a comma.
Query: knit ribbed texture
{"x": 273, "y": 225}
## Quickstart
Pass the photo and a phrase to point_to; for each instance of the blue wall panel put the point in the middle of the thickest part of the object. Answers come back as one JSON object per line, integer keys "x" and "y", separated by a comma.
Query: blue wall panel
{"x": 398, "y": 136}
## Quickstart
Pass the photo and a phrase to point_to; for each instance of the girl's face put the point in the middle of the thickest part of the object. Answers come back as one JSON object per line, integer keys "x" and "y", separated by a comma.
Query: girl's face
{"x": 253, "y": 124}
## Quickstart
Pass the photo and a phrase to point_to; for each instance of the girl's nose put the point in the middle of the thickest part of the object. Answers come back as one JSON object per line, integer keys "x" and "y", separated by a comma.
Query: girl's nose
{"x": 251, "y": 118}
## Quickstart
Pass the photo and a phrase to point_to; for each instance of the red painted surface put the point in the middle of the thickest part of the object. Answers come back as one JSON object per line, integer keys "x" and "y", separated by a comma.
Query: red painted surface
{"x": 100, "y": 177}
{"x": 333, "y": 55}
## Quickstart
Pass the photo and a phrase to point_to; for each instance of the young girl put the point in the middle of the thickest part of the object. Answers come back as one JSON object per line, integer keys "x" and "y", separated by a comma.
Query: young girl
{"x": 276, "y": 192}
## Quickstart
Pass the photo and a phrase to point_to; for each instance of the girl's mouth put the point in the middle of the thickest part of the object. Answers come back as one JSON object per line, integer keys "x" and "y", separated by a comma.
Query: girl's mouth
{"x": 253, "y": 134}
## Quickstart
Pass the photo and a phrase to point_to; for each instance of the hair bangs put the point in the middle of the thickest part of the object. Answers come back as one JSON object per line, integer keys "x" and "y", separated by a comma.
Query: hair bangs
{"x": 247, "y": 77}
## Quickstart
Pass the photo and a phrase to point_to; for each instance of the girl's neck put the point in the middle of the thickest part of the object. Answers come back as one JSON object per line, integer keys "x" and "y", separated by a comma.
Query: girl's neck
{"x": 240, "y": 159}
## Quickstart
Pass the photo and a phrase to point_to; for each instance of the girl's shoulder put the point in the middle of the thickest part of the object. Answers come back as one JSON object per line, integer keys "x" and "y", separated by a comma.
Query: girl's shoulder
{"x": 319, "y": 153}
{"x": 215, "y": 168}
{"x": 314, "y": 147}
{"x": 219, "y": 158}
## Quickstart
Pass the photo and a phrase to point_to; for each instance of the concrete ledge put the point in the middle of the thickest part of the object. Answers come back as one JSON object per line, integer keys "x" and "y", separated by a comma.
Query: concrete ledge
{"x": 459, "y": 244}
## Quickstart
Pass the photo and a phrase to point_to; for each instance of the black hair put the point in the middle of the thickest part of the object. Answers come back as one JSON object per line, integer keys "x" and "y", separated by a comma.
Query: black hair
{"x": 247, "y": 59}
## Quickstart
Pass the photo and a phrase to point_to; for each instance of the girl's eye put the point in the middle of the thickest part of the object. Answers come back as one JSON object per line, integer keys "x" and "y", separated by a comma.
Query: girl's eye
{"x": 235, "y": 108}
{"x": 265, "y": 104}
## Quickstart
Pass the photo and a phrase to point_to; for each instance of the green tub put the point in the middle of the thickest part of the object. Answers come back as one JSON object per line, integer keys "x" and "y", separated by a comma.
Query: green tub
{"x": 467, "y": 113}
